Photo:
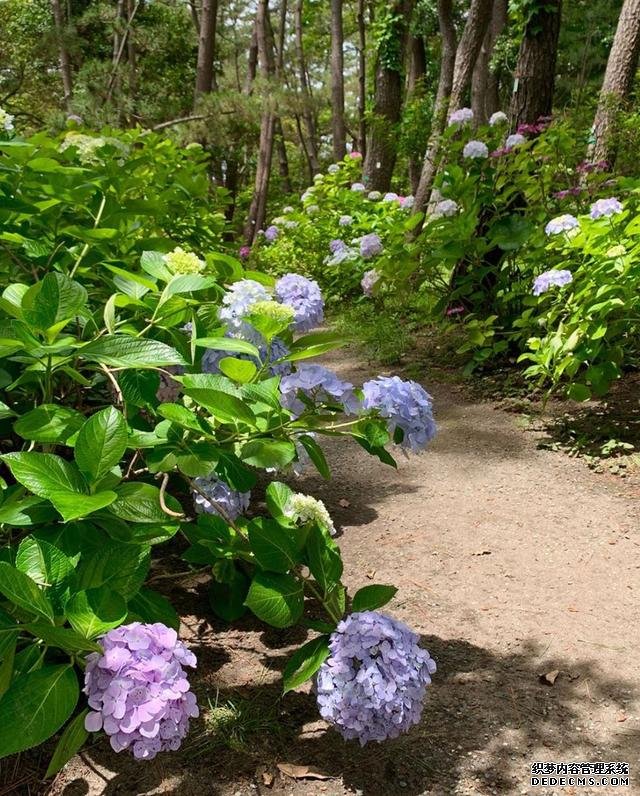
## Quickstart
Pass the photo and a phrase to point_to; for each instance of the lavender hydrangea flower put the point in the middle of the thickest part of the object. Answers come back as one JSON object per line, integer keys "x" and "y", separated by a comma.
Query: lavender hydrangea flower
{"x": 345, "y": 221}
{"x": 271, "y": 233}
{"x": 446, "y": 207}
{"x": 499, "y": 117}
{"x": 461, "y": 116}
{"x": 220, "y": 498}
{"x": 138, "y": 691}
{"x": 336, "y": 245}
{"x": 604, "y": 208}
{"x": 305, "y": 297}
{"x": 405, "y": 405}
{"x": 373, "y": 684}
{"x": 237, "y": 301}
{"x": 562, "y": 223}
{"x": 549, "y": 279}
{"x": 369, "y": 281}
{"x": 334, "y": 168}
{"x": 390, "y": 197}
{"x": 358, "y": 187}
{"x": 244, "y": 252}
{"x": 514, "y": 140}
{"x": 407, "y": 202}
{"x": 320, "y": 385}
{"x": 345, "y": 255}
{"x": 370, "y": 246}
{"x": 476, "y": 150}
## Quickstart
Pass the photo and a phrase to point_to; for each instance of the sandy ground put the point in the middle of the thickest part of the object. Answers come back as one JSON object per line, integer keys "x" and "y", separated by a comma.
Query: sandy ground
{"x": 511, "y": 561}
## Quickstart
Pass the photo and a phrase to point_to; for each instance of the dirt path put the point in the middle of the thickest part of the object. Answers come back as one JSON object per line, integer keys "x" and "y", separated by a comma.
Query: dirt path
{"x": 511, "y": 561}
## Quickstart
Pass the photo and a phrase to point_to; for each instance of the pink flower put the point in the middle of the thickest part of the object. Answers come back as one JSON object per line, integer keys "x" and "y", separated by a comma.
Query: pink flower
{"x": 355, "y": 155}
{"x": 244, "y": 252}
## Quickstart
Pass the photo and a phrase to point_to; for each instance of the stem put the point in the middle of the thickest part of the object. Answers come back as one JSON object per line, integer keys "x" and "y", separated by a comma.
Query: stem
{"x": 85, "y": 248}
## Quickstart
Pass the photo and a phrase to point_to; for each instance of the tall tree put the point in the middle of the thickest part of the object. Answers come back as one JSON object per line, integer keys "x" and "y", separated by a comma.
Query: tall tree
{"x": 535, "y": 73}
{"x": 63, "y": 53}
{"x": 475, "y": 28}
{"x": 484, "y": 90}
{"x": 362, "y": 78}
{"x": 381, "y": 143}
{"x": 337, "y": 82}
{"x": 258, "y": 207}
{"x": 415, "y": 93}
{"x": 311, "y": 143}
{"x": 205, "y": 73}
{"x": 280, "y": 142}
{"x": 618, "y": 81}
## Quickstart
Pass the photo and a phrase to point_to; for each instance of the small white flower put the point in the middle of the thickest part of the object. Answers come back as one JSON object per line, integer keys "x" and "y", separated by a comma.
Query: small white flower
{"x": 514, "y": 140}
{"x": 312, "y": 210}
{"x": 499, "y": 117}
{"x": 333, "y": 168}
{"x": 6, "y": 121}
{"x": 374, "y": 196}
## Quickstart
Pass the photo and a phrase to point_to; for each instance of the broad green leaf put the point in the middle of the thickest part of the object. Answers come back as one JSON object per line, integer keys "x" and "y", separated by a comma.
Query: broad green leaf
{"x": 53, "y": 300}
{"x": 95, "y": 611}
{"x": 9, "y": 643}
{"x": 188, "y": 283}
{"x": 49, "y": 567}
{"x": 228, "y": 599}
{"x": 153, "y": 263}
{"x": 316, "y": 454}
{"x": 579, "y": 392}
{"x": 122, "y": 351}
{"x": 278, "y": 495}
{"x": 324, "y": 559}
{"x": 138, "y": 502}
{"x": 120, "y": 567}
{"x": 182, "y": 416}
{"x": 276, "y": 599}
{"x": 240, "y": 370}
{"x": 149, "y": 606}
{"x": 224, "y": 407}
{"x": 268, "y": 453}
{"x": 49, "y": 423}
{"x": 62, "y": 637}
{"x": 369, "y": 598}
{"x": 101, "y": 443}
{"x": 6, "y": 411}
{"x": 228, "y": 344}
{"x": 71, "y": 741}
{"x": 23, "y": 511}
{"x": 36, "y": 706}
{"x": 139, "y": 387}
{"x": 305, "y": 662}
{"x": 23, "y": 591}
{"x": 273, "y": 546}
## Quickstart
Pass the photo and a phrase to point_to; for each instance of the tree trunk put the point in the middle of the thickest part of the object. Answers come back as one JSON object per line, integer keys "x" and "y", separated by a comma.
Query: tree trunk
{"x": 617, "y": 83}
{"x": 194, "y": 16}
{"x": 441, "y": 106}
{"x": 383, "y": 131}
{"x": 280, "y": 143}
{"x": 337, "y": 82}
{"x": 484, "y": 100}
{"x": 362, "y": 79}
{"x": 63, "y": 53}
{"x": 258, "y": 208}
{"x": 205, "y": 74}
{"x": 471, "y": 40}
{"x": 132, "y": 59}
{"x": 415, "y": 91}
{"x": 307, "y": 110}
{"x": 535, "y": 73}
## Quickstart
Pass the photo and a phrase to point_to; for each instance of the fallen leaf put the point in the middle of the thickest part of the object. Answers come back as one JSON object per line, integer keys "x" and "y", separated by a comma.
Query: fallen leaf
{"x": 302, "y": 772}
{"x": 267, "y": 779}
{"x": 573, "y": 609}
{"x": 621, "y": 717}
{"x": 550, "y": 677}
{"x": 344, "y": 503}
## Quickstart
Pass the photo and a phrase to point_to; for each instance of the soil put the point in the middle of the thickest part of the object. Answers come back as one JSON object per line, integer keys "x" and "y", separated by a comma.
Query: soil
{"x": 520, "y": 568}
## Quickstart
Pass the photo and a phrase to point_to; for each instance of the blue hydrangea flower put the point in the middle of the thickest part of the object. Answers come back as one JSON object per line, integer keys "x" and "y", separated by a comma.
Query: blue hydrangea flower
{"x": 370, "y": 246}
{"x": 345, "y": 255}
{"x": 271, "y": 233}
{"x": 604, "y": 208}
{"x": 549, "y": 279}
{"x": 514, "y": 140}
{"x": 446, "y": 207}
{"x": 220, "y": 498}
{"x": 336, "y": 245}
{"x": 320, "y": 385}
{"x": 345, "y": 221}
{"x": 334, "y": 168}
{"x": 407, "y": 202}
{"x": 390, "y": 197}
{"x": 475, "y": 150}
{"x": 562, "y": 223}
{"x": 461, "y": 116}
{"x": 138, "y": 691}
{"x": 405, "y": 405}
{"x": 305, "y": 297}
{"x": 238, "y": 300}
{"x": 373, "y": 684}
{"x": 499, "y": 117}
{"x": 358, "y": 187}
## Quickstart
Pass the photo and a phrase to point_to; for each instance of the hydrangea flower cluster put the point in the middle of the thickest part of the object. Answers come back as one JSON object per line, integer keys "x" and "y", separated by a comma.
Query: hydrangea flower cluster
{"x": 407, "y": 202}
{"x": 282, "y": 314}
{"x": 345, "y": 221}
{"x": 372, "y": 685}
{"x": 406, "y": 406}
{"x": 334, "y": 168}
{"x": 244, "y": 252}
{"x": 369, "y": 281}
{"x": 344, "y": 255}
{"x": 575, "y": 191}
{"x": 514, "y": 140}
{"x": 6, "y": 121}
{"x": 304, "y": 297}
{"x": 390, "y": 197}
{"x": 138, "y": 690}
{"x": 604, "y": 208}
{"x": 588, "y": 167}
{"x": 304, "y": 508}
{"x": 320, "y": 385}
{"x": 311, "y": 210}
{"x": 220, "y": 498}
{"x": 550, "y": 279}
{"x": 358, "y": 187}
{"x": 475, "y": 149}
{"x": 355, "y": 155}
{"x": 238, "y": 300}
{"x": 370, "y": 246}
{"x": 181, "y": 262}
{"x": 499, "y": 117}
{"x": 461, "y": 116}
{"x": 374, "y": 196}
{"x": 336, "y": 245}
{"x": 562, "y": 223}
{"x": 271, "y": 233}
{"x": 446, "y": 207}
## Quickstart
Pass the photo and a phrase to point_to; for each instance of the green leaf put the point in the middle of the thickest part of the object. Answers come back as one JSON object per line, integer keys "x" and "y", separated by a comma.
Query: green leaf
{"x": 153, "y": 263}
{"x": 188, "y": 283}
{"x": 120, "y": 567}
{"x": 369, "y": 598}
{"x": 240, "y": 370}
{"x": 579, "y": 392}
{"x": 228, "y": 344}
{"x": 149, "y": 606}
{"x": 324, "y": 557}
{"x": 273, "y": 546}
{"x": 276, "y": 599}
{"x": 278, "y": 495}
{"x": 23, "y": 591}
{"x": 52, "y": 301}
{"x": 139, "y": 387}
{"x": 62, "y": 637}
{"x": 224, "y": 407}
{"x": 305, "y": 662}
{"x": 137, "y": 502}
{"x": 71, "y": 741}
{"x": 182, "y": 416}
{"x": 9, "y": 643}
{"x": 316, "y": 454}
{"x": 268, "y": 453}
{"x": 49, "y": 567}
{"x": 101, "y": 443}
{"x": 36, "y": 706}
{"x": 49, "y": 423}
{"x": 95, "y": 611}
{"x": 122, "y": 351}
{"x": 228, "y": 599}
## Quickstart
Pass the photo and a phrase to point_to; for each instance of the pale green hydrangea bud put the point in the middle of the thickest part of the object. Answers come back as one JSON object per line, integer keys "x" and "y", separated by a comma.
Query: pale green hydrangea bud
{"x": 304, "y": 508}
{"x": 281, "y": 313}
{"x": 181, "y": 262}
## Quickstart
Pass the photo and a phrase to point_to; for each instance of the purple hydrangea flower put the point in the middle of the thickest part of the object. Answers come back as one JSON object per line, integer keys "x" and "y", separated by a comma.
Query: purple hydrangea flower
{"x": 461, "y": 116}
{"x": 405, "y": 405}
{"x": 548, "y": 279}
{"x": 345, "y": 221}
{"x": 138, "y": 690}
{"x": 271, "y": 233}
{"x": 390, "y": 197}
{"x": 358, "y": 187}
{"x": 238, "y": 300}
{"x": 369, "y": 281}
{"x": 446, "y": 207}
{"x": 244, "y": 252}
{"x": 336, "y": 245}
{"x": 475, "y": 150}
{"x": 514, "y": 140}
{"x": 275, "y": 350}
{"x": 562, "y": 223}
{"x": 575, "y": 191}
{"x": 305, "y": 297}
{"x": 604, "y": 208}
{"x": 373, "y": 684}
{"x": 220, "y": 498}
{"x": 499, "y": 117}
{"x": 370, "y": 246}
{"x": 407, "y": 202}
{"x": 320, "y": 385}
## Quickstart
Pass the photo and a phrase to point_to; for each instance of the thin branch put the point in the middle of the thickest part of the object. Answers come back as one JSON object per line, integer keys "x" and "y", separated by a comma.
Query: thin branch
{"x": 182, "y": 120}
{"x": 118, "y": 58}
{"x": 114, "y": 382}
{"x": 163, "y": 505}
